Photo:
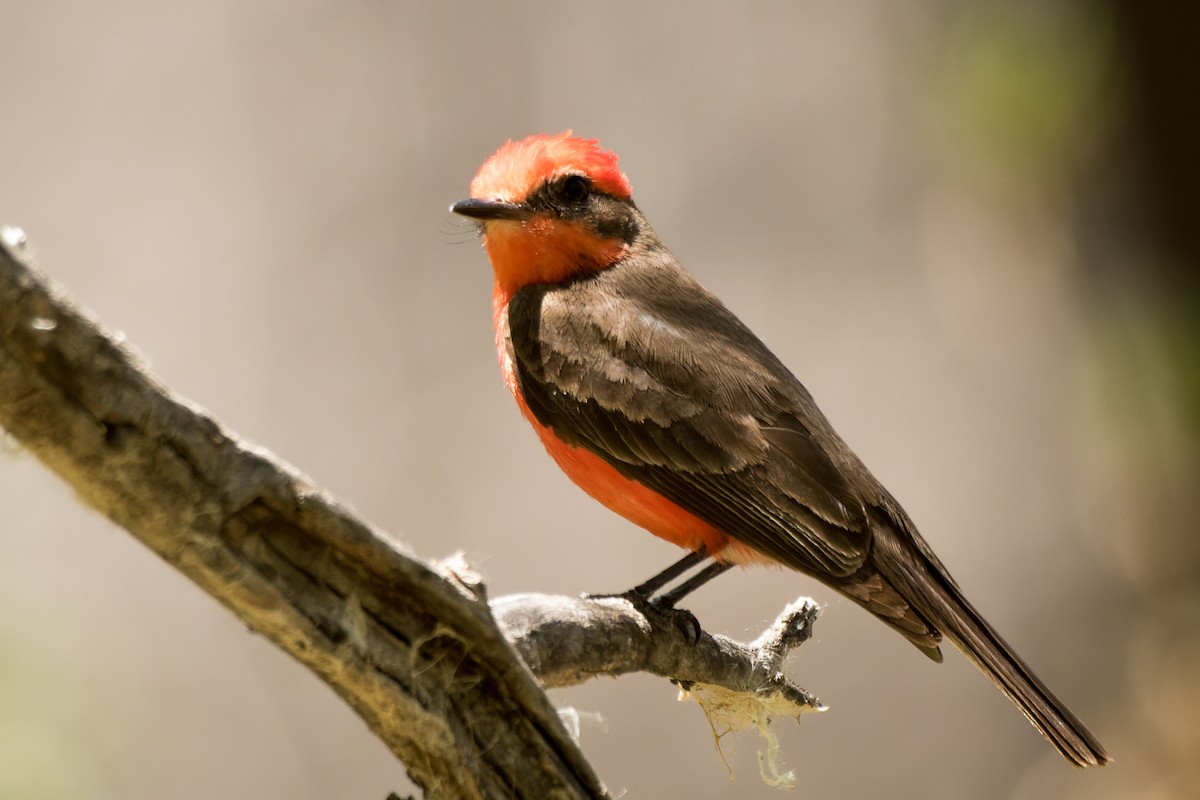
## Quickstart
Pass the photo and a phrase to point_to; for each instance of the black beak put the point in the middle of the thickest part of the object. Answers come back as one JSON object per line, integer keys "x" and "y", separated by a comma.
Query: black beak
{"x": 487, "y": 210}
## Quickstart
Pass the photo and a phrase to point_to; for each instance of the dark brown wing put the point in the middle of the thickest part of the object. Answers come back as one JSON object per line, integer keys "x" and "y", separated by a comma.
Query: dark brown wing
{"x": 641, "y": 366}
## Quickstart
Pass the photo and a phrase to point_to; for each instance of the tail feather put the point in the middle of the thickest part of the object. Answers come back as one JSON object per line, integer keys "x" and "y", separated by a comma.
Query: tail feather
{"x": 934, "y": 595}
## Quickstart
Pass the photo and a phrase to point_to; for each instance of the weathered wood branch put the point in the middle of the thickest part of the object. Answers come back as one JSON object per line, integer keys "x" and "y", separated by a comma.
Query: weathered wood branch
{"x": 412, "y": 646}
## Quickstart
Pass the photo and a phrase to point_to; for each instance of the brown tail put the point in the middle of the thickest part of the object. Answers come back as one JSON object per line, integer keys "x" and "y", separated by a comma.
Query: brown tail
{"x": 917, "y": 574}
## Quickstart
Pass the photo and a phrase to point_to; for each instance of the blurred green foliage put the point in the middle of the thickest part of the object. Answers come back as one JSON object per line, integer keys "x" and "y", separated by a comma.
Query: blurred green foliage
{"x": 1021, "y": 87}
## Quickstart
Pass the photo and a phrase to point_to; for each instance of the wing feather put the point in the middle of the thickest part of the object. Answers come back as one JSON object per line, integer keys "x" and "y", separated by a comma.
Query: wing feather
{"x": 683, "y": 399}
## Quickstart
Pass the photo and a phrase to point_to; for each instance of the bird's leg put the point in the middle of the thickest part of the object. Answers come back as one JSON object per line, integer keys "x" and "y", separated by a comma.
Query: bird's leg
{"x": 669, "y": 599}
{"x": 648, "y": 588}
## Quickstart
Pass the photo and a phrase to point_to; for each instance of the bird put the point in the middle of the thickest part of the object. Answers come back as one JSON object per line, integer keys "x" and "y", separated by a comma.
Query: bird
{"x": 657, "y": 401}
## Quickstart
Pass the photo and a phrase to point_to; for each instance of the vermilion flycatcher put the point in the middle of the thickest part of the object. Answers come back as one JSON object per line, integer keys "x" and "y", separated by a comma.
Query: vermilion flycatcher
{"x": 662, "y": 405}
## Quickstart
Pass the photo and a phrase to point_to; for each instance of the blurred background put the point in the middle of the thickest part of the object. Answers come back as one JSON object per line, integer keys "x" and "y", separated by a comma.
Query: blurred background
{"x": 971, "y": 228}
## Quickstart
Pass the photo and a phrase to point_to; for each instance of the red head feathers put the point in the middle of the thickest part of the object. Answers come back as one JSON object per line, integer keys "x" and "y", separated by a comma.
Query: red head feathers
{"x": 519, "y": 168}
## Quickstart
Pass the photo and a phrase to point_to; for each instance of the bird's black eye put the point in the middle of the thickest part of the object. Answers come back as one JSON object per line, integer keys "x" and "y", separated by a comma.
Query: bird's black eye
{"x": 576, "y": 188}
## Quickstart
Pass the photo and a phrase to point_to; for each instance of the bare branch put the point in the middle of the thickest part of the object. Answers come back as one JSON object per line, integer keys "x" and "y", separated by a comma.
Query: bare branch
{"x": 410, "y": 645}
{"x": 566, "y": 641}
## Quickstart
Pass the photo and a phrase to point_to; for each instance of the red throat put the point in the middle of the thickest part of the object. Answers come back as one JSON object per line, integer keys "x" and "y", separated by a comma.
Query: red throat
{"x": 544, "y": 250}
